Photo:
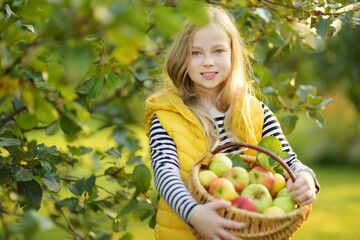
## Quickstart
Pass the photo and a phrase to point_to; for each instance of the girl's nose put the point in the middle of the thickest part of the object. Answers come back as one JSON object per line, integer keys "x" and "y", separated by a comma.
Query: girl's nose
{"x": 208, "y": 60}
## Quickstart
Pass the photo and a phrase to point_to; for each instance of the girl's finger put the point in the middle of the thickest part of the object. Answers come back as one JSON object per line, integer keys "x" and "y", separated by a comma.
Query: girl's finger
{"x": 226, "y": 235}
{"x": 226, "y": 223}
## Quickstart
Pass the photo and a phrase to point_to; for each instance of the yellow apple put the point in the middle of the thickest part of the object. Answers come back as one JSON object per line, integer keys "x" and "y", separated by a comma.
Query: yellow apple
{"x": 279, "y": 184}
{"x": 273, "y": 210}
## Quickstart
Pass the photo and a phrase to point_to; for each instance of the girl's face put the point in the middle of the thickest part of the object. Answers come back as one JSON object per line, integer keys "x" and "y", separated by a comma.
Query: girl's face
{"x": 210, "y": 60}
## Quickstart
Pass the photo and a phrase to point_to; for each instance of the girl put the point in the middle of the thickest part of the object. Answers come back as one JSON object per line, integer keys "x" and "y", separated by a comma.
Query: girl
{"x": 207, "y": 101}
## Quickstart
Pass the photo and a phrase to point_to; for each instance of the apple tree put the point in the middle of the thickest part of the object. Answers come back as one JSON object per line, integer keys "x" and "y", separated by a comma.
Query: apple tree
{"x": 64, "y": 64}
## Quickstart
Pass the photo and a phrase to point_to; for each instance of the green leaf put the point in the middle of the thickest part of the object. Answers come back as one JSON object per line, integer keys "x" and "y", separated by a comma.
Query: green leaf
{"x": 52, "y": 181}
{"x": 167, "y": 19}
{"x": 5, "y": 142}
{"x": 94, "y": 87}
{"x": 141, "y": 177}
{"x": 77, "y": 188}
{"x": 22, "y": 174}
{"x": 26, "y": 120}
{"x": 9, "y": 12}
{"x": 275, "y": 38}
{"x": 271, "y": 143}
{"x": 42, "y": 151}
{"x": 303, "y": 91}
{"x": 68, "y": 126}
{"x": 90, "y": 183}
{"x": 135, "y": 160}
{"x": 324, "y": 28}
{"x": 46, "y": 113}
{"x": 288, "y": 123}
{"x": 237, "y": 161}
{"x": 70, "y": 203}
{"x": 318, "y": 116}
{"x": 152, "y": 222}
{"x": 128, "y": 207}
{"x": 5, "y": 173}
{"x": 31, "y": 217}
{"x": 140, "y": 215}
{"x": 195, "y": 11}
{"x": 112, "y": 80}
{"x": 114, "y": 152}
{"x": 32, "y": 192}
{"x": 127, "y": 236}
{"x": 52, "y": 129}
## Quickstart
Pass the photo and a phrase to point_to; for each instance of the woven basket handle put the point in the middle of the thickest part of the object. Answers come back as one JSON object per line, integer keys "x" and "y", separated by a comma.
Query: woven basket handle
{"x": 257, "y": 148}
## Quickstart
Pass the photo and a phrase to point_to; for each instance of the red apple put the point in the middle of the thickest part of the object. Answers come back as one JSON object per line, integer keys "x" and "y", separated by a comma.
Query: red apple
{"x": 223, "y": 189}
{"x": 238, "y": 176}
{"x": 262, "y": 176}
{"x": 245, "y": 203}
{"x": 206, "y": 177}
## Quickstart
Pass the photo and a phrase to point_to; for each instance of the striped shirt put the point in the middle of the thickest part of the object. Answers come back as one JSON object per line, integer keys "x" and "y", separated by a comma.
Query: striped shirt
{"x": 165, "y": 163}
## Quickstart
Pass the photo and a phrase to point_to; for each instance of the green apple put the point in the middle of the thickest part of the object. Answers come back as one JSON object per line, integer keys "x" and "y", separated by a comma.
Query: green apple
{"x": 222, "y": 188}
{"x": 283, "y": 193}
{"x": 206, "y": 177}
{"x": 220, "y": 163}
{"x": 260, "y": 194}
{"x": 273, "y": 210}
{"x": 262, "y": 176}
{"x": 238, "y": 176}
{"x": 286, "y": 203}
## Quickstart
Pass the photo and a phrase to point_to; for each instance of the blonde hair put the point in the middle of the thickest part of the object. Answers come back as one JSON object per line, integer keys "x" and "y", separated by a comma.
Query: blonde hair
{"x": 236, "y": 87}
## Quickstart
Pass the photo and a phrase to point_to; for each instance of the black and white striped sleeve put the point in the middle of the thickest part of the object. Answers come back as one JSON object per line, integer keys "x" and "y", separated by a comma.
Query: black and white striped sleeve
{"x": 272, "y": 127}
{"x": 168, "y": 182}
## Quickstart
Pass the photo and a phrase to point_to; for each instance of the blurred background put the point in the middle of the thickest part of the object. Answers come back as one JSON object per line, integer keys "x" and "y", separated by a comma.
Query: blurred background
{"x": 75, "y": 75}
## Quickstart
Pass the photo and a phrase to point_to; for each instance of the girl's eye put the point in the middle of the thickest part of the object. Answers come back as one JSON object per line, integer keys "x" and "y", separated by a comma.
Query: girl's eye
{"x": 195, "y": 53}
{"x": 218, "y": 51}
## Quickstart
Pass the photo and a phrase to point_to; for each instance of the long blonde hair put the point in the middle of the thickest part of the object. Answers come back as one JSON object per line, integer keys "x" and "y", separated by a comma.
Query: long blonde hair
{"x": 237, "y": 87}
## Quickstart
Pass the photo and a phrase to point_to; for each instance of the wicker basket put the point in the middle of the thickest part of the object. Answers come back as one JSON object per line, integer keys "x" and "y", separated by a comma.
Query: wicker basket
{"x": 259, "y": 226}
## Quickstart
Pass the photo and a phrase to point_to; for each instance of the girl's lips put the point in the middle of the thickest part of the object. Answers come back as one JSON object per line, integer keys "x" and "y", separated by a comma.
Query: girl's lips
{"x": 209, "y": 75}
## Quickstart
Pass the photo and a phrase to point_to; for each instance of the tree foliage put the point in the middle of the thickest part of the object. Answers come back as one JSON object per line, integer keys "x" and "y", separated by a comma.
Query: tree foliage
{"x": 63, "y": 63}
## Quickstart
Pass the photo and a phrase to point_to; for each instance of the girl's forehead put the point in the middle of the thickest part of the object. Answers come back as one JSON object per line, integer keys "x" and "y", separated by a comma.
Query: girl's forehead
{"x": 210, "y": 34}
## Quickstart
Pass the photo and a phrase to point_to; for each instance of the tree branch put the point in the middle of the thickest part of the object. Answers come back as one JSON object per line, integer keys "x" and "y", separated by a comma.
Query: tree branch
{"x": 266, "y": 2}
{"x": 69, "y": 222}
{"x": 13, "y": 113}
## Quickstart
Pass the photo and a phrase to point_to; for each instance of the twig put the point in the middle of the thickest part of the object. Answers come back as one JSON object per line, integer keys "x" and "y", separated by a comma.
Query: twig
{"x": 148, "y": 198}
{"x": 18, "y": 60}
{"x": 104, "y": 189}
{"x": 69, "y": 222}
{"x": 107, "y": 100}
{"x": 13, "y": 113}
{"x": 138, "y": 79}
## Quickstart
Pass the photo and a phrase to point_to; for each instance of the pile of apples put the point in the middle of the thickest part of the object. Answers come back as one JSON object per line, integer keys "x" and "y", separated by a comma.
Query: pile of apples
{"x": 257, "y": 190}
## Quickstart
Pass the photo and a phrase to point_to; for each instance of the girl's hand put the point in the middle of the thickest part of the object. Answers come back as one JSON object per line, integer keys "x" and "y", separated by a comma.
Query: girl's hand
{"x": 210, "y": 224}
{"x": 303, "y": 189}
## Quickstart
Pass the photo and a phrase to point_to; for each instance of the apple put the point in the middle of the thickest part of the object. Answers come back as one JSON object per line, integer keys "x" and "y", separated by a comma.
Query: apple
{"x": 262, "y": 176}
{"x": 220, "y": 163}
{"x": 223, "y": 189}
{"x": 273, "y": 210}
{"x": 260, "y": 194}
{"x": 206, "y": 177}
{"x": 279, "y": 183}
{"x": 238, "y": 176}
{"x": 287, "y": 204}
{"x": 245, "y": 203}
{"x": 283, "y": 193}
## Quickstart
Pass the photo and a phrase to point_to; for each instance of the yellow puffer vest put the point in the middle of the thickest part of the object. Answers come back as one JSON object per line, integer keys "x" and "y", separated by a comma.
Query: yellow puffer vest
{"x": 191, "y": 143}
